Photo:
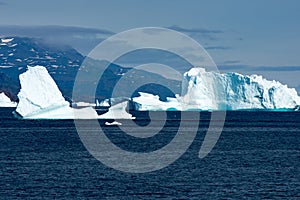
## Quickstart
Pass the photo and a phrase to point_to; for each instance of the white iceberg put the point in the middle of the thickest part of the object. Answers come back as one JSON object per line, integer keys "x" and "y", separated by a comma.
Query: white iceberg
{"x": 40, "y": 98}
{"x": 114, "y": 123}
{"x": 117, "y": 111}
{"x": 202, "y": 90}
{"x": 82, "y": 104}
{"x": 97, "y": 103}
{"x": 232, "y": 91}
{"x": 103, "y": 103}
{"x": 6, "y": 102}
{"x": 151, "y": 102}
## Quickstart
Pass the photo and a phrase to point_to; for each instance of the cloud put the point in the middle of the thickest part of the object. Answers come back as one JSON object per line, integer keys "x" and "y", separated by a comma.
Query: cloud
{"x": 230, "y": 62}
{"x": 260, "y": 68}
{"x": 217, "y": 48}
{"x": 278, "y": 68}
{"x": 194, "y": 30}
{"x": 208, "y": 34}
{"x": 233, "y": 67}
{"x": 83, "y": 39}
{"x": 42, "y": 31}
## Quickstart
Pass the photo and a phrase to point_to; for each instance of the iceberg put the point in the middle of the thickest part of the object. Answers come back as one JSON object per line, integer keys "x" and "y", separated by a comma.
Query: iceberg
{"x": 83, "y": 104}
{"x": 40, "y": 98}
{"x": 117, "y": 111}
{"x": 97, "y": 103}
{"x": 114, "y": 123}
{"x": 104, "y": 103}
{"x": 202, "y": 90}
{"x": 232, "y": 91}
{"x": 150, "y": 102}
{"x": 6, "y": 102}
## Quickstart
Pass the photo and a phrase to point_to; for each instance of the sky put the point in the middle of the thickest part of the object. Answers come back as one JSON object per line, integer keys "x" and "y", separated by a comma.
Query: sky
{"x": 247, "y": 36}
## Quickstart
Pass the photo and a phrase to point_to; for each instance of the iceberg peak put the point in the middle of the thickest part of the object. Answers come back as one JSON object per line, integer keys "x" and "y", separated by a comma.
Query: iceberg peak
{"x": 196, "y": 71}
{"x": 40, "y": 98}
{"x": 38, "y": 92}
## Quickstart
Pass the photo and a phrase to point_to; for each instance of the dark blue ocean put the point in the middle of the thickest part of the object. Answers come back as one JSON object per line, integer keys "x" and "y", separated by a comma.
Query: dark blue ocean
{"x": 256, "y": 157}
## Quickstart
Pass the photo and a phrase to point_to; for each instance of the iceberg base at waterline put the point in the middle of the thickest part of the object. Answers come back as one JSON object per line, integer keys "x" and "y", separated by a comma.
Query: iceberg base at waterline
{"x": 61, "y": 113}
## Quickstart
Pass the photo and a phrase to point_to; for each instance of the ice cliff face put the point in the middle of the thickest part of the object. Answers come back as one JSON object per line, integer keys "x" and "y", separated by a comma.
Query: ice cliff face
{"x": 38, "y": 92}
{"x": 5, "y": 101}
{"x": 203, "y": 90}
{"x": 40, "y": 98}
{"x": 233, "y": 91}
